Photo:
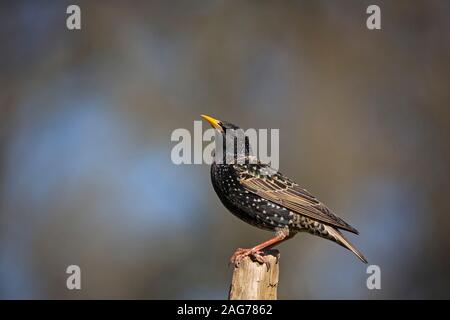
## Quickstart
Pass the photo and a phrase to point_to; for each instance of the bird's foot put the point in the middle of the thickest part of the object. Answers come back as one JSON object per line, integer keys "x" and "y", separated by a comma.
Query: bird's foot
{"x": 257, "y": 255}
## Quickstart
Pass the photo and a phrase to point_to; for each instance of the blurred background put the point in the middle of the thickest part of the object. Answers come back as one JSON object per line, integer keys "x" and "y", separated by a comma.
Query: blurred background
{"x": 86, "y": 176}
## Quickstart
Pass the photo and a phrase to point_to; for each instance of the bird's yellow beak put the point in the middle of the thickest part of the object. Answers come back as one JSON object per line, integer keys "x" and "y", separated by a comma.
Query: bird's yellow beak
{"x": 214, "y": 122}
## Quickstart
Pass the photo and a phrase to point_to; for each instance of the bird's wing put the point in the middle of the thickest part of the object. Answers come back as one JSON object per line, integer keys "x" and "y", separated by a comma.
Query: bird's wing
{"x": 284, "y": 192}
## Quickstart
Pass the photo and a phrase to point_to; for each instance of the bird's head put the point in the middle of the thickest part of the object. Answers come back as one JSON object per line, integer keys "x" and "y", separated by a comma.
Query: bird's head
{"x": 235, "y": 144}
{"x": 219, "y": 125}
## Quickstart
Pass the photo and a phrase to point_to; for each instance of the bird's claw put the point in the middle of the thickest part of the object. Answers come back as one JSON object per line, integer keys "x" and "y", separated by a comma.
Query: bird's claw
{"x": 241, "y": 253}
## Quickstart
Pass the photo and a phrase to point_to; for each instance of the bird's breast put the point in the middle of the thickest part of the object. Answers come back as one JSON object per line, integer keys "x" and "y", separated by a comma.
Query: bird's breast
{"x": 244, "y": 204}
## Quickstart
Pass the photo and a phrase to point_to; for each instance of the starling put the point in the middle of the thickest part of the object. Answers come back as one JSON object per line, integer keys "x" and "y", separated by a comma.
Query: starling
{"x": 265, "y": 198}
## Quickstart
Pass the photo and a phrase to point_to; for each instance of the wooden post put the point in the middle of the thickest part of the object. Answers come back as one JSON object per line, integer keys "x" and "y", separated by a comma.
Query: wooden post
{"x": 253, "y": 281}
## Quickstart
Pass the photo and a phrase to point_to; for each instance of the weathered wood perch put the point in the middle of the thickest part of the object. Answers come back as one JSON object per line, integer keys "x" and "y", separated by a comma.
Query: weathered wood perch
{"x": 254, "y": 281}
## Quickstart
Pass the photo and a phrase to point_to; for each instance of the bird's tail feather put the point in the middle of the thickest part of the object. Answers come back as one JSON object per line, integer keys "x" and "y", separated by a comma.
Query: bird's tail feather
{"x": 340, "y": 239}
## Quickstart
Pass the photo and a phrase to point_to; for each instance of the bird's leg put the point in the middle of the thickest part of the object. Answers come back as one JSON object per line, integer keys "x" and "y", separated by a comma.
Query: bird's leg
{"x": 256, "y": 251}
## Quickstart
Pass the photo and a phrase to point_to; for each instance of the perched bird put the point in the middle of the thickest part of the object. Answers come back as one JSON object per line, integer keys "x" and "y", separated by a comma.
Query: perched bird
{"x": 265, "y": 198}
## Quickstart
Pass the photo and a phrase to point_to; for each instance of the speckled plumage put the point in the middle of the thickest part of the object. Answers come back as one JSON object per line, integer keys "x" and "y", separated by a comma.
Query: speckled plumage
{"x": 274, "y": 202}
